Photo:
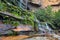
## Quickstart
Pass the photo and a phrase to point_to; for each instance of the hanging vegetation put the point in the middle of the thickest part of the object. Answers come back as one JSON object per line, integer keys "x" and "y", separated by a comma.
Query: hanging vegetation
{"x": 24, "y": 16}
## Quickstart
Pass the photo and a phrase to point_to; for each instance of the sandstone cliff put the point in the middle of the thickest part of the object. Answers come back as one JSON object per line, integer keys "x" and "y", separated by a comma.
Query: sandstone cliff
{"x": 44, "y": 3}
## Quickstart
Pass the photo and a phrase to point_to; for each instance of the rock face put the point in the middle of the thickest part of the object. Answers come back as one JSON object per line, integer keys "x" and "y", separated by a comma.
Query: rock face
{"x": 36, "y": 4}
{"x": 36, "y": 1}
{"x": 44, "y": 3}
{"x": 8, "y": 29}
{"x": 23, "y": 28}
{"x": 38, "y": 38}
{"x": 23, "y": 4}
{"x": 5, "y": 29}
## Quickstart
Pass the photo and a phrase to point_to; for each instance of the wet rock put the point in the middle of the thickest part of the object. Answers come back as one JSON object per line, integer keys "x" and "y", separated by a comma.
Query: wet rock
{"x": 5, "y": 29}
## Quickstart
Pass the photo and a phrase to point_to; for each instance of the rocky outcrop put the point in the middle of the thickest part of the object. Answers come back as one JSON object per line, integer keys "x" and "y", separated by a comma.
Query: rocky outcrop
{"x": 44, "y": 3}
{"x": 36, "y": 1}
{"x": 5, "y": 29}
{"x": 22, "y": 27}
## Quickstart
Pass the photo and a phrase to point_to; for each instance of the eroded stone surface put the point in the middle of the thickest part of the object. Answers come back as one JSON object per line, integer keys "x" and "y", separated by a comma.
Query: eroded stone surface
{"x": 45, "y": 3}
{"x": 4, "y": 29}
{"x": 37, "y": 38}
{"x": 23, "y": 28}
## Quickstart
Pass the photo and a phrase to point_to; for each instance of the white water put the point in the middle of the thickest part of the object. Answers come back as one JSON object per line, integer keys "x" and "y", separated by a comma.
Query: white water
{"x": 44, "y": 28}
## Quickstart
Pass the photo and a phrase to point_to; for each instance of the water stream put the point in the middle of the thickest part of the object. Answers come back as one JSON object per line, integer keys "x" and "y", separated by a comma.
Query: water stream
{"x": 43, "y": 27}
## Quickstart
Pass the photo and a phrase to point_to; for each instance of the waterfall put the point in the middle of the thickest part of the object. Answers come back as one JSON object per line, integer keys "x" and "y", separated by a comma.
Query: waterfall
{"x": 43, "y": 27}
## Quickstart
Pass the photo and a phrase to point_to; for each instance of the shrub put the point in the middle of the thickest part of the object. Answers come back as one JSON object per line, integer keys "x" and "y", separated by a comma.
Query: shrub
{"x": 49, "y": 16}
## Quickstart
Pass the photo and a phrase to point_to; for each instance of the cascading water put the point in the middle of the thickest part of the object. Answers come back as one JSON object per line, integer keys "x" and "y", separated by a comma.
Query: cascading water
{"x": 43, "y": 27}
{"x": 48, "y": 28}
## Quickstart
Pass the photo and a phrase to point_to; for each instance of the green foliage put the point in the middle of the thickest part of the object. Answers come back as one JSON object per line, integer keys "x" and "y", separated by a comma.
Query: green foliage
{"x": 26, "y": 17}
{"x": 57, "y": 18}
{"x": 49, "y": 16}
{"x": 44, "y": 14}
{"x": 2, "y": 8}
